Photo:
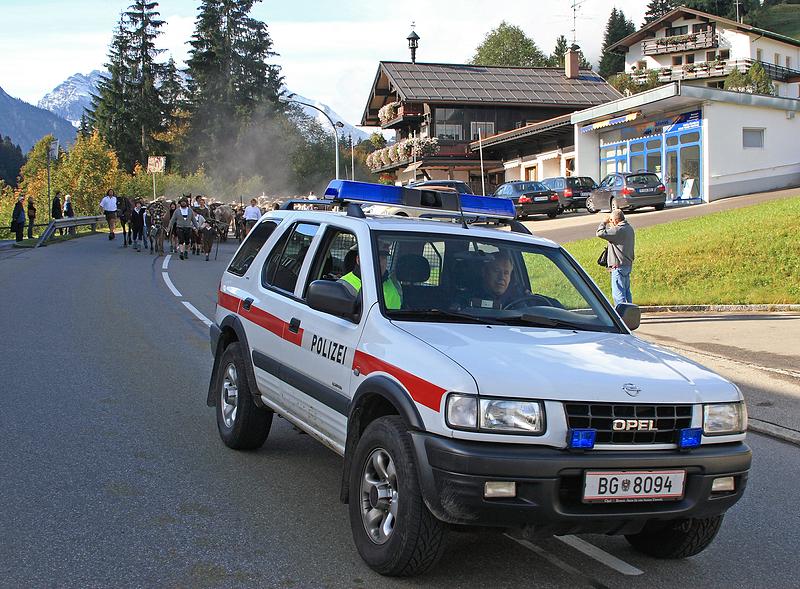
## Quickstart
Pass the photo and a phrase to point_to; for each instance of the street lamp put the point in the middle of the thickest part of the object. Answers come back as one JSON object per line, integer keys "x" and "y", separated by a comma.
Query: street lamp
{"x": 337, "y": 125}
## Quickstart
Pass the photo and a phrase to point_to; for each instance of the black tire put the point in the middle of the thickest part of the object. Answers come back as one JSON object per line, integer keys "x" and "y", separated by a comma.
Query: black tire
{"x": 248, "y": 426}
{"x": 552, "y": 214}
{"x": 590, "y": 206}
{"x": 676, "y": 539}
{"x": 659, "y": 207}
{"x": 613, "y": 204}
{"x": 417, "y": 539}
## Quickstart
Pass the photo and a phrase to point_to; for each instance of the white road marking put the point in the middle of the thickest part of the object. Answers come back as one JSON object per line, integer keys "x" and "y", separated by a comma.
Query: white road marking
{"x": 170, "y": 286}
{"x": 600, "y": 555}
{"x": 555, "y": 561}
{"x": 197, "y": 313}
{"x": 165, "y": 263}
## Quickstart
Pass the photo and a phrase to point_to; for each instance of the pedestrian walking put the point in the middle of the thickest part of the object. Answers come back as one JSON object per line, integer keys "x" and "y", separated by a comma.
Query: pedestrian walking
{"x": 18, "y": 219}
{"x": 621, "y": 238}
{"x": 252, "y": 214}
{"x": 182, "y": 223}
{"x": 31, "y": 217}
{"x": 56, "y": 209}
{"x": 109, "y": 206}
{"x": 173, "y": 235}
{"x": 69, "y": 212}
{"x": 137, "y": 225}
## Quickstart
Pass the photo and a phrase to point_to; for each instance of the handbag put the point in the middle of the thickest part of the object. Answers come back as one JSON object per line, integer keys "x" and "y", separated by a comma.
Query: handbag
{"x": 603, "y": 259}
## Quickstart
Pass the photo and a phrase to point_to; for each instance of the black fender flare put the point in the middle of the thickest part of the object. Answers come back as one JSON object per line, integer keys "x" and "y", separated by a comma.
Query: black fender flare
{"x": 388, "y": 389}
{"x": 217, "y": 342}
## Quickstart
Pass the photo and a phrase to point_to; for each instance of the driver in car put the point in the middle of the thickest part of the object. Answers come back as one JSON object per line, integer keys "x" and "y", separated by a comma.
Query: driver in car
{"x": 496, "y": 277}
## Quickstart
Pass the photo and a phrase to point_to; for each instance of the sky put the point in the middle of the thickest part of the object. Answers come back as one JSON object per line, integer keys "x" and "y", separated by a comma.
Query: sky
{"x": 329, "y": 50}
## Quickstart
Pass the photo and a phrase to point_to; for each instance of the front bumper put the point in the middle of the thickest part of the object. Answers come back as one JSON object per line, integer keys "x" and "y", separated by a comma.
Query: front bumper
{"x": 550, "y": 484}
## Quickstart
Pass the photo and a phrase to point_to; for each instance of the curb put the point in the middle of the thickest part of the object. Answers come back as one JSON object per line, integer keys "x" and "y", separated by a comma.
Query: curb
{"x": 718, "y": 308}
{"x": 774, "y": 431}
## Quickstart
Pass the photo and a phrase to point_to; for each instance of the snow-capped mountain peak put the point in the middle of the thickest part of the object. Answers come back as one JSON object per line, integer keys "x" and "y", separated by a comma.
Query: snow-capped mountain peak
{"x": 347, "y": 129}
{"x": 70, "y": 98}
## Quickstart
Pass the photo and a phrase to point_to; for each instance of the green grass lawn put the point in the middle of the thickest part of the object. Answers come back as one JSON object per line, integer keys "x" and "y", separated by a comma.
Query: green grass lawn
{"x": 745, "y": 256}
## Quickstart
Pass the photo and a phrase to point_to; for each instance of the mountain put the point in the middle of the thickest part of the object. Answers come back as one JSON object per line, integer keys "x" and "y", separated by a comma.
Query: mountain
{"x": 26, "y": 124}
{"x": 348, "y": 129}
{"x": 72, "y": 96}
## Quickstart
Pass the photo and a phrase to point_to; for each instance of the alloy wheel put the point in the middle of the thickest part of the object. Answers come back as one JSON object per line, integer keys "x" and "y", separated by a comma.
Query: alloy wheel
{"x": 379, "y": 496}
{"x": 229, "y": 400}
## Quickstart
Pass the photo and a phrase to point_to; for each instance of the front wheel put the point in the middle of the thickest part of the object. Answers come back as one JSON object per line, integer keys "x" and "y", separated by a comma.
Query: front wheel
{"x": 242, "y": 424}
{"x": 676, "y": 539}
{"x": 590, "y": 208}
{"x": 393, "y": 529}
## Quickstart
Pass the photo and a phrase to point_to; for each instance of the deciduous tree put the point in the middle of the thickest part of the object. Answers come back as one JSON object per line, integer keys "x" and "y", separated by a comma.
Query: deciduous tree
{"x": 508, "y": 45}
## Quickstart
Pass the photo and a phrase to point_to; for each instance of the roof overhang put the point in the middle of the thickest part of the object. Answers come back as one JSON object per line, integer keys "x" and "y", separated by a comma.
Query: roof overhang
{"x": 622, "y": 45}
{"x": 676, "y": 96}
{"x": 383, "y": 88}
{"x": 542, "y": 130}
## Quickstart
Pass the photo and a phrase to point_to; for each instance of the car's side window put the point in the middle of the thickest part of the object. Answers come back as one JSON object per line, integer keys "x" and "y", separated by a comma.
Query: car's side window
{"x": 284, "y": 262}
{"x": 606, "y": 182}
{"x": 618, "y": 182}
{"x": 335, "y": 257}
{"x": 251, "y": 246}
{"x": 562, "y": 184}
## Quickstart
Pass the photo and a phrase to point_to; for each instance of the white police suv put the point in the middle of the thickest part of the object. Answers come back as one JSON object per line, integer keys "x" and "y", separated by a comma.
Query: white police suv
{"x": 468, "y": 376}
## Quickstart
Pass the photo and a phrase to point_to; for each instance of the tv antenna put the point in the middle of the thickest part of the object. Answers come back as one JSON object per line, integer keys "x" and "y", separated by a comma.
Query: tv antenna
{"x": 576, "y": 4}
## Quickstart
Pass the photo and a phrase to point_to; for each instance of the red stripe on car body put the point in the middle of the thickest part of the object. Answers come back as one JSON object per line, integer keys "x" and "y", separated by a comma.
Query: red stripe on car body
{"x": 261, "y": 318}
{"x": 422, "y": 391}
{"x": 227, "y": 301}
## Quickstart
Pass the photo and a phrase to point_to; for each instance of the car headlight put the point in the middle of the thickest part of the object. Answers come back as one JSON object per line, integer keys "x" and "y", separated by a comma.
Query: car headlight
{"x": 724, "y": 418}
{"x": 514, "y": 416}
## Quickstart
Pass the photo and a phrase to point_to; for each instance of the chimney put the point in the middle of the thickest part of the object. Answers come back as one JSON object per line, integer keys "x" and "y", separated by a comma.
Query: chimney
{"x": 413, "y": 44}
{"x": 572, "y": 63}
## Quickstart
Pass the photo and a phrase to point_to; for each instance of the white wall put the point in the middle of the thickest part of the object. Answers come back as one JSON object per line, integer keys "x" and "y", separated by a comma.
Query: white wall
{"x": 587, "y": 154}
{"x": 732, "y": 169}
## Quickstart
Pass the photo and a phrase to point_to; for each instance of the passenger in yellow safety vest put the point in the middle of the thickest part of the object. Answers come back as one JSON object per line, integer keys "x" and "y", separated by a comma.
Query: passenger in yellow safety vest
{"x": 392, "y": 291}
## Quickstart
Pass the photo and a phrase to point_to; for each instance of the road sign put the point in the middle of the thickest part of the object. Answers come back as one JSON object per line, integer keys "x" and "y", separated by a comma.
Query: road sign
{"x": 156, "y": 163}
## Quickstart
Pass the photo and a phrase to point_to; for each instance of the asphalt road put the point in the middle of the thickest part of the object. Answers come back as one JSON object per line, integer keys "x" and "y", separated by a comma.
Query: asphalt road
{"x": 113, "y": 474}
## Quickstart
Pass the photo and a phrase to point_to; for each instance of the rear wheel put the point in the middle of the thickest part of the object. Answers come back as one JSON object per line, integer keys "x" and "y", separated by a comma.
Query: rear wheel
{"x": 552, "y": 214}
{"x": 613, "y": 204}
{"x": 590, "y": 208}
{"x": 393, "y": 530}
{"x": 241, "y": 423}
{"x": 659, "y": 207}
{"x": 676, "y": 539}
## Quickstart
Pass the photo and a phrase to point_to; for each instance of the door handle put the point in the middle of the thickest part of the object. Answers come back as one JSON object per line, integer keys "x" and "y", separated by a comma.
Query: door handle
{"x": 246, "y": 303}
{"x": 294, "y": 325}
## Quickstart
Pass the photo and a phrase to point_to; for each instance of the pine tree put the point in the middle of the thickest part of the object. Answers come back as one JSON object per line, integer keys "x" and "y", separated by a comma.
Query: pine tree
{"x": 173, "y": 94}
{"x": 758, "y": 80}
{"x": 658, "y": 8}
{"x": 85, "y": 127}
{"x": 556, "y": 58}
{"x": 147, "y": 108}
{"x": 229, "y": 77}
{"x": 736, "y": 81}
{"x": 617, "y": 27}
{"x": 110, "y": 112}
{"x": 11, "y": 161}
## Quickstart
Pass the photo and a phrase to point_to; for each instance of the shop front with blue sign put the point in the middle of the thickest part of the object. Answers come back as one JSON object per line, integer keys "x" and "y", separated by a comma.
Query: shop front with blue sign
{"x": 670, "y": 147}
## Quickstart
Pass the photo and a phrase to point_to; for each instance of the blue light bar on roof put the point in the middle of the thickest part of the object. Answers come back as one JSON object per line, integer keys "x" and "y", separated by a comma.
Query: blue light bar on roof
{"x": 419, "y": 198}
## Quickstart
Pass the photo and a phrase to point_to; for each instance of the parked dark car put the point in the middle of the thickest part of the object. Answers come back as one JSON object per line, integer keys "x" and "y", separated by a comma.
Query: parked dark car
{"x": 572, "y": 190}
{"x": 627, "y": 191}
{"x": 461, "y": 187}
{"x": 530, "y": 198}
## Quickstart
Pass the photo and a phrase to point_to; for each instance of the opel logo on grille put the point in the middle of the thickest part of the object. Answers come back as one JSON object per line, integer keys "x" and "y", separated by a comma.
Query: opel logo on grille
{"x": 636, "y": 425}
{"x": 631, "y": 389}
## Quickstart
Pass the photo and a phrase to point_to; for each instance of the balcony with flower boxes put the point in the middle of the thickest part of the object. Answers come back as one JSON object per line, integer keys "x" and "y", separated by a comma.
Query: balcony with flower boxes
{"x": 707, "y": 39}
{"x": 714, "y": 69}
{"x": 398, "y": 115}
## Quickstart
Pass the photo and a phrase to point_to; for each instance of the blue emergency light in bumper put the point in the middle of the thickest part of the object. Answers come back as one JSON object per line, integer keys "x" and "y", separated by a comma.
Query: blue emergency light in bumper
{"x": 549, "y": 484}
{"x": 418, "y": 198}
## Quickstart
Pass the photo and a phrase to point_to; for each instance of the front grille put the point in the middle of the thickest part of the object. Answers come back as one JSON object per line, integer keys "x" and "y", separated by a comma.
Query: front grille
{"x": 670, "y": 419}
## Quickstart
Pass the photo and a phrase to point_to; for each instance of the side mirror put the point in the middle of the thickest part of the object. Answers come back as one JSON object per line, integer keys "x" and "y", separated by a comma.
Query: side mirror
{"x": 631, "y": 315}
{"x": 334, "y": 298}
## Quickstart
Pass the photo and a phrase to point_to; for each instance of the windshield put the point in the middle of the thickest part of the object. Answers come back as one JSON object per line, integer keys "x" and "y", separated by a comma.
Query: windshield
{"x": 580, "y": 182}
{"x": 530, "y": 187}
{"x": 645, "y": 179}
{"x": 460, "y": 279}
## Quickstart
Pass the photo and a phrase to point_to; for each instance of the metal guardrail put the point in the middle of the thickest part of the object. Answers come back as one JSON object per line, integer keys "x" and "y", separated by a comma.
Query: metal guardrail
{"x": 69, "y": 222}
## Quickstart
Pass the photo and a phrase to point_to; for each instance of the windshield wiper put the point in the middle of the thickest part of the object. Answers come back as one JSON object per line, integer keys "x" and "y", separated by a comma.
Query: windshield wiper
{"x": 551, "y": 322}
{"x": 440, "y": 314}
